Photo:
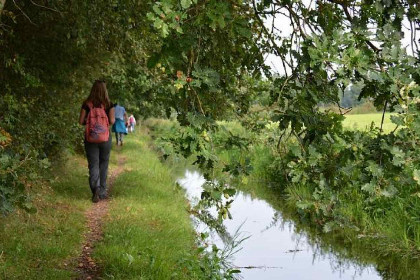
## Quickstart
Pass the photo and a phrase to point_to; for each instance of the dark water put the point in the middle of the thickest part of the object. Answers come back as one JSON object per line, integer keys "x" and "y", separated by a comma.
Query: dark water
{"x": 275, "y": 249}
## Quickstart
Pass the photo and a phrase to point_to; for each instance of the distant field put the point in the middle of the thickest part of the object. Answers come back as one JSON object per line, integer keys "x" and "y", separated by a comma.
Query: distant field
{"x": 363, "y": 121}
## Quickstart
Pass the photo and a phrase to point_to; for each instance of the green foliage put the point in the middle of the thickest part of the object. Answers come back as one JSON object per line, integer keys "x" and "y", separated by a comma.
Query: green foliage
{"x": 50, "y": 55}
{"x": 377, "y": 172}
{"x": 213, "y": 262}
{"x": 339, "y": 58}
{"x": 336, "y": 48}
{"x": 12, "y": 182}
{"x": 203, "y": 148}
{"x": 207, "y": 53}
{"x": 217, "y": 194}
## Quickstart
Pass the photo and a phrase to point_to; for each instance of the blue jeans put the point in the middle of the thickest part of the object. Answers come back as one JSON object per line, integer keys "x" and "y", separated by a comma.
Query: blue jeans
{"x": 98, "y": 158}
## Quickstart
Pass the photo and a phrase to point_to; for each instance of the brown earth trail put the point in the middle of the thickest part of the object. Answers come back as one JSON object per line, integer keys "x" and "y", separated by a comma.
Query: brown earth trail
{"x": 87, "y": 269}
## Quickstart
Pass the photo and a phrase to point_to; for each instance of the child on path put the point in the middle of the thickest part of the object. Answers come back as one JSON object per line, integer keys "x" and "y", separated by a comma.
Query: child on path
{"x": 121, "y": 123}
{"x": 97, "y": 114}
{"x": 132, "y": 121}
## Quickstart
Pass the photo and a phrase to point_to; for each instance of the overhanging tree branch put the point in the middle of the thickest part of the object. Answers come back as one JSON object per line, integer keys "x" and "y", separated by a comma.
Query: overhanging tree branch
{"x": 24, "y": 14}
{"x": 270, "y": 37}
{"x": 344, "y": 6}
{"x": 44, "y": 7}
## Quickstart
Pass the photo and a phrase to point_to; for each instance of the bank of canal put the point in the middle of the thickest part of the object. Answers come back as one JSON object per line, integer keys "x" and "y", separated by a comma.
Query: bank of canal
{"x": 276, "y": 247}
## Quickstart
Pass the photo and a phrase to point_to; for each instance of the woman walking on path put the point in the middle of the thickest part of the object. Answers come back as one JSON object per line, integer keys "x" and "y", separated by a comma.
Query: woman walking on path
{"x": 121, "y": 123}
{"x": 97, "y": 114}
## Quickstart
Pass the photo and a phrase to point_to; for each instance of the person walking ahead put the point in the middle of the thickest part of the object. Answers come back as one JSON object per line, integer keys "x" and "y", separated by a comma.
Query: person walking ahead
{"x": 121, "y": 123}
{"x": 97, "y": 114}
{"x": 132, "y": 122}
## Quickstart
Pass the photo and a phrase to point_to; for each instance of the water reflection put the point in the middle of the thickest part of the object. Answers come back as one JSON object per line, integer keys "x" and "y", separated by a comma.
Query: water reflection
{"x": 275, "y": 249}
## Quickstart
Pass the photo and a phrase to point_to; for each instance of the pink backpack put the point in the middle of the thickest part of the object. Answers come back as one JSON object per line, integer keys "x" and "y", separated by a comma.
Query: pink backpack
{"x": 97, "y": 125}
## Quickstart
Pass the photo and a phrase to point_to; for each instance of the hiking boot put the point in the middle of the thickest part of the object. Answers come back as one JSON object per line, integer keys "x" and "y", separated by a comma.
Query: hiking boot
{"x": 95, "y": 196}
{"x": 103, "y": 196}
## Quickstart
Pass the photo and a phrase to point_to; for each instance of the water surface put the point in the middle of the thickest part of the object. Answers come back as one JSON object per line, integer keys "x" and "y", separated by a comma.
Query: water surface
{"x": 274, "y": 249}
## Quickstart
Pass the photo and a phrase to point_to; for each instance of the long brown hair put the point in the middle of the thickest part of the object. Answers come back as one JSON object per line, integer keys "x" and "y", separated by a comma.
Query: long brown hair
{"x": 99, "y": 95}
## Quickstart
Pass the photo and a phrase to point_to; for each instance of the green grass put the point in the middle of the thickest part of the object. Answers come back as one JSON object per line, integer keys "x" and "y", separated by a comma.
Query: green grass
{"x": 45, "y": 245}
{"x": 364, "y": 121}
{"x": 148, "y": 234}
{"x": 149, "y": 229}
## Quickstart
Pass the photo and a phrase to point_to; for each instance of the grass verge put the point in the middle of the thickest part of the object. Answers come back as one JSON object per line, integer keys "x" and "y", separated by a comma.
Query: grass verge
{"x": 45, "y": 245}
{"x": 148, "y": 234}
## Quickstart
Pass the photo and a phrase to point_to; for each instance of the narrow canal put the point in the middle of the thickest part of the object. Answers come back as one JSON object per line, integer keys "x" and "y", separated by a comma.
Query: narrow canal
{"x": 275, "y": 249}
